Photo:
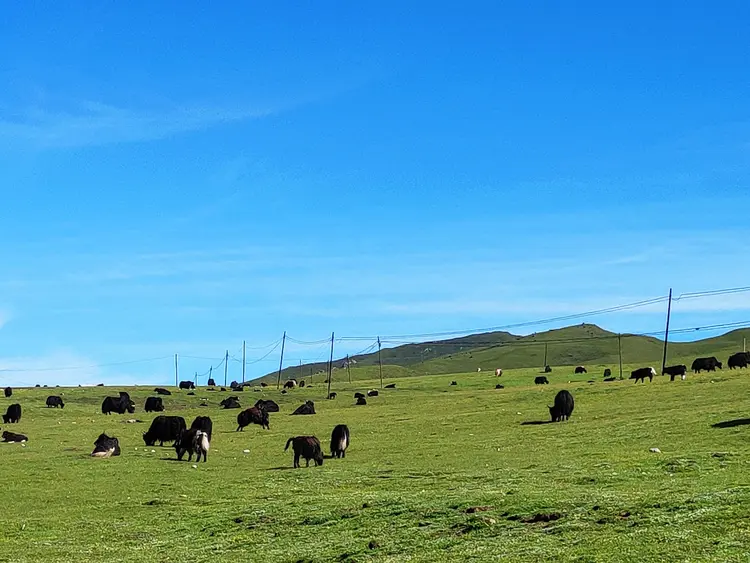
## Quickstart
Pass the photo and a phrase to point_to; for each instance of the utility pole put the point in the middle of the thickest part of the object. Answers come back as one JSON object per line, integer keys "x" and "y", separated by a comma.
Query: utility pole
{"x": 545, "y": 355}
{"x": 195, "y": 378}
{"x": 380, "y": 364}
{"x": 281, "y": 360}
{"x": 300, "y": 371}
{"x": 176, "y": 372}
{"x": 619, "y": 351}
{"x": 226, "y": 367}
{"x": 243, "y": 361}
{"x": 666, "y": 332}
{"x": 744, "y": 344}
{"x": 330, "y": 368}
{"x": 348, "y": 369}
{"x": 211, "y": 374}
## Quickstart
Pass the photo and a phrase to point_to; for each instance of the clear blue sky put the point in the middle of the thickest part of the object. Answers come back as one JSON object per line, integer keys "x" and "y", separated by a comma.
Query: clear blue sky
{"x": 179, "y": 177}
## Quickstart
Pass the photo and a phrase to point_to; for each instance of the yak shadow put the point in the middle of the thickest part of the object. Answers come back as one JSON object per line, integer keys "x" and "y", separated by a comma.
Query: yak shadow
{"x": 732, "y": 423}
{"x": 535, "y": 422}
{"x": 283, "y": 468}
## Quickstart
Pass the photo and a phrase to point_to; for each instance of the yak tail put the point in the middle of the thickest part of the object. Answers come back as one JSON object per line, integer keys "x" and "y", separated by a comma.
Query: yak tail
{"x": 205, "y": 444}
{"x": 289, "y": 441}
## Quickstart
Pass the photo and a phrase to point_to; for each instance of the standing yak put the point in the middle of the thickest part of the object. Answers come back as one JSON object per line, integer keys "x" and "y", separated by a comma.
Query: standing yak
{"x": 154, "y": 404}
{"x": 187, "y": 385}
{"x": 13, "y": 414}
{"x": 204, "y": 424}
{"x": 253, "y": 415}
{"x": 580, "y": 369}
{"x": 8, "y": 392}
{"x": 164, "y": 429}
{"x": 642, "y": 374}
{"x": 706, "y": 364}
{"x": 674, "y": 371}
{"x": 339, "y": 441}
{"x": 563, "y": 406}
{"x": 307, "y": 447}
{"x": 53, "y": 401}
{"x": 739, "y": 360}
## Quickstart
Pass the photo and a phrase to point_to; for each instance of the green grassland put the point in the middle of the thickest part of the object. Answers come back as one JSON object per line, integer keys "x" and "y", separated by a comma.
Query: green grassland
{"x": 422, "y": 455}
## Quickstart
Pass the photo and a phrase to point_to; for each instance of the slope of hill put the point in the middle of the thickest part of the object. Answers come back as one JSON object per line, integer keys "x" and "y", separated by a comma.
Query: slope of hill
{"x": 579, "y": 344}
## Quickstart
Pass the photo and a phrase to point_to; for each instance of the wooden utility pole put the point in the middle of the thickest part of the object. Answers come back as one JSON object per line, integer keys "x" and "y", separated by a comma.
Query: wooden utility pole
{"x": 176, "y": 372}
{"x": 380, "y": 364}
{"x": 243, "y": 361}
{"x": 195, "y": 378}
{"x": 348, "y": 369}
{"x": 619, "y": 351}
{"x": 226, "y": 367}
{"x": 301, "y": 375}
{"x": 281, "y": 360}
{"x": 330, "y": 368}
{"x": 666, "y": 332}
{"x": 211, "y": 374}
{"x": 545, "y": 356}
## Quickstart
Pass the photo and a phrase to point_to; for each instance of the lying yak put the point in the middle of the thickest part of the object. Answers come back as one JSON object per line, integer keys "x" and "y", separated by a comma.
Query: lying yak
{"x": 106, "y": 446}
{"x": 12, "y": 437}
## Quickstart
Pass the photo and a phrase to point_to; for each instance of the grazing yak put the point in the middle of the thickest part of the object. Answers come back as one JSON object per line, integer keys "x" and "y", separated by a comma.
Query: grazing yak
{"x": 230, "y": 403}
{"x": 547, "y": 369}
{"x": 211, "y": 383}
{"x": 106, "y": 446}
{"x": 498, "y": 372}
{"x": 674, "y": 371}
{"x": 164, "y": 429}
{"x": 739, "y": 360}
{"x": 372, "y": 393}
{"x": 302, "y": 384}
{"x": 53, "y": 401}
{"x": 498, "y": 386}
{"x": 13, "y": 414}
{"x": 162, "y": 391}
{"x": 607, "y": 372}
{"x": 361, "y": 401}
{"x": 154, "y": 404}
{"x": 204, "y": 424}
{"x": 267, "y": 405}
{"x": 359, "y": 395}
{"x": 8, "y": 392}
{"x": 307, "y": 408}
{"x": 580, "y": 369}
{"x": 307, "y": 447}
{"x": 120, "y": 405}
{"x": 332, "y": 395}
{"x": 339, "y": 441}
{"x": 253, "y": 415}
{"x": 13, "y": 437}
{"x": 563, "y": 406}
{"x": 192, "y": 441}
{"x": 291, "y": 384}
{"x": 540, "y": 380}
{"x": 706, "y": 364}
{"x": 454, "y": 383}
{"x": 263, "y": 384}
{"x": 642, "y": 374}
{"x": 390, "y": 386}
{"x": 187, "y": 385}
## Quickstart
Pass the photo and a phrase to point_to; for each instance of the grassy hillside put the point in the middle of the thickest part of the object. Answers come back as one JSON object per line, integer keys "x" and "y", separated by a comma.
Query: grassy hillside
{"x": 585, "y": 344}
{"x": 434, "y": 473}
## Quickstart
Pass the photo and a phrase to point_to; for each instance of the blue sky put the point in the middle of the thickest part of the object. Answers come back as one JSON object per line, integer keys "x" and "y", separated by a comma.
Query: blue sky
{"x": 177, "y": 178}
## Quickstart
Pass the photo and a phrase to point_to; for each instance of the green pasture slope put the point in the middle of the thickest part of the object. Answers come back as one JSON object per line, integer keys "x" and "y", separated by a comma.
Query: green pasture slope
{"x": 423, "y": 457}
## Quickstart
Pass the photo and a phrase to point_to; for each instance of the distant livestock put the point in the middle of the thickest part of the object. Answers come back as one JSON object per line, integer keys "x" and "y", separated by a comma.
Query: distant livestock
{"x": 454, "y": 383}
{"x": 498, "y": 372}
{"x": 642, "y": 373}
{"x": 332, "y": 395}
{"x": 359, "y": 396}
{"x": 53, "y": 401}
{"x": 580, "y": 369}
{"x": 162, "y": 391}
{"x": 540, "y": 380}
{"x": 291, "y": 384}
{"x": 307, "y": 408}
{"x": 498, "y": 386}
{"x": 230, "y": 403}
{"x": 361, "y": 401}
{"x": 674, "y": 371}
{"x": 547, "y": 369}
{"x": 302, "y": 383}
{"x": 267, "y": 405}
{"x": 192, "y": 442}
{"x": 263, "y": 384}
{"x": 390, "y": 386}
{"x": 253, "y": 415}
{"x": 339, "y": 441}
{"x": 307, "y": 447}
{"x": 106, "y": 446}
{"x": 607, "y": 372}
{"x": 187, "y": 385}
{"x": 706, "y": 364}
{"x": 8, "y": 392}
{"x": 204, "y": 424}
{"x": 738, "y": 360}
{"x": 372, "y": 393}
{"x": 234, "y": 386}
{"x": 120, "y": 405}
{"x": 13, "y": 437}
{"x": 211, "y": 383}
{"x": 13, "y": 414}
{"x": 563, "y": 407}
{"x": 154, "y": 404}
{"x": 164, "y": 429}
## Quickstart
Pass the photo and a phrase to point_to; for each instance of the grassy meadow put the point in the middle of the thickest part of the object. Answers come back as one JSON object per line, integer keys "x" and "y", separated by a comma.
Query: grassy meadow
{"x": 434, "y": 473}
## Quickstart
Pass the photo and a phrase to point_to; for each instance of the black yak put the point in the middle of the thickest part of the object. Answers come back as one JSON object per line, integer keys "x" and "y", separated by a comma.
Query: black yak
{"x": 339, "y": 441}
{"x": 332, "y": 395}
{"x": 642, "y": 374}
{"x": 307, "y": 447}
{"x": 8, "y": 392}
{"x": 739, "y": 360}
{"x": 291, "y": 384}
{"x": 607, "y": 372}
{"x": 540, "y": 380}
{"x": 120, "y": 405}
{"x": 390, "y": 386}
{"x": 187, "y": 385}
{"x": 361, "y": 401}
{"x": 253, "y": 415}
{"x": 267, "y": 405}
{"x": 53, "y": 401}
{"x": 563, "y": 406}
{"x": 192, "y": 441}
{"x": 674, "y": 371}
{"x": 211, "y": 383}
{"x": 580, "y": 369}
{"x": 359, "y": 395}
{"x": 106, "y": 446}
{"x": 547, "y": 369}
{"x": 230, "y": 403}
{"x": 204, "y": 424}
{"x": 13, "y": 437}
{"x": 154, "y": 404}
{"x": 164, "y": 429}
{"x": 13, "y": 414}
{"x": 706, "y": 364}
{"x": 307, "y": 408}
{"x": 162, "y": 391}
{"x": 372, "y": 393}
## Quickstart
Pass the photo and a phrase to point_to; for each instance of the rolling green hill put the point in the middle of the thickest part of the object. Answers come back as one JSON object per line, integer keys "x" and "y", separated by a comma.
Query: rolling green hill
{"x": 584, "y": 344}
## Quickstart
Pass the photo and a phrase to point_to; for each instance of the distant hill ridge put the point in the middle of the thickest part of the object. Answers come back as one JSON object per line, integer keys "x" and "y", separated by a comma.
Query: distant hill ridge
{"x": 574, "y": 345}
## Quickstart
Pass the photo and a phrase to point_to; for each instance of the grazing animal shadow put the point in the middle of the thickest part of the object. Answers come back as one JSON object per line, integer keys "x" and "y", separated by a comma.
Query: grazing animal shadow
{"x": 732, "y": 423}
{"x": 535, "y": 422}
{"x": 284, "y": 468}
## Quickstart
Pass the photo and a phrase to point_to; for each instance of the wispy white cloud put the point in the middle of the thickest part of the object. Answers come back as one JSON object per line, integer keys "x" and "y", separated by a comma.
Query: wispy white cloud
{"x": 97, "y": 124}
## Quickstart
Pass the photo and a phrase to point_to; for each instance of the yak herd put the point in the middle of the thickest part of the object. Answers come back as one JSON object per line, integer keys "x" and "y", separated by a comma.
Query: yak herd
{"x": 196, "y": 440}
